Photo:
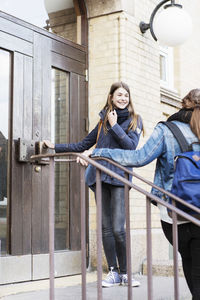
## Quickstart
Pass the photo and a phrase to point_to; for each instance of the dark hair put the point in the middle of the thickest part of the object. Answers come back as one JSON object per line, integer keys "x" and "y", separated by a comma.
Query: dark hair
{"x": 192, "y": 101}
{"x": 109, "y": 106}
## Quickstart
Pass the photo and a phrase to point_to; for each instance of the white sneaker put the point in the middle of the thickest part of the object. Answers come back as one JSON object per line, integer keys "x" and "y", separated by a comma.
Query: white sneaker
{"x": 112, "y": 279}
{"x": 124, "y": 280}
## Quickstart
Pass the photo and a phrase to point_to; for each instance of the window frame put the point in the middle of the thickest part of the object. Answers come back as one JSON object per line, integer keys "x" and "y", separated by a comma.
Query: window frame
{"x": 168, "y": 54}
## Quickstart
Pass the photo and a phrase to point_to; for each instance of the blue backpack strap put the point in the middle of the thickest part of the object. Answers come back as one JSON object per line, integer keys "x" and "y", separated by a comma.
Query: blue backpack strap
{"x": 179, "y": 136}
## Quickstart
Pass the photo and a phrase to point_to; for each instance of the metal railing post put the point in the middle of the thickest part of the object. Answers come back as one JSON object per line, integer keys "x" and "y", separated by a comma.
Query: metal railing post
{"x": 175, "y": 253}
{"x": 128, "y": 239}
{"x": 149, "y": 250}
{"x": 51, "y": 227}
{"x": 83, "y": 233}
{"x": 99, "y": 233}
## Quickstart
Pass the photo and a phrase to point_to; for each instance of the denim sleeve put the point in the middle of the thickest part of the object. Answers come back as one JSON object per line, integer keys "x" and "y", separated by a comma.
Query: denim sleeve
{"x": 152, "y": 149}
{"x": 128, "y": 140}
{"x": 85, "y": 144}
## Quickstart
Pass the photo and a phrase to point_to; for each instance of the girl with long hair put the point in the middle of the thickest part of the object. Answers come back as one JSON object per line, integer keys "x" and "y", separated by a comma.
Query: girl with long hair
{"x": 119, "y": 128}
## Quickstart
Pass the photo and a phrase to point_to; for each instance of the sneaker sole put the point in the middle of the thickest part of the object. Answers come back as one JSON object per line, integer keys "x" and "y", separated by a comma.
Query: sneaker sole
{"x": 110, "y": 285}
{"x": 133, "y": 285}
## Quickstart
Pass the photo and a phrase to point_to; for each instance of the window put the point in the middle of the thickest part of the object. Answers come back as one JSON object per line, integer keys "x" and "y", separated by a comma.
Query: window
{"x": 166, "y": 68}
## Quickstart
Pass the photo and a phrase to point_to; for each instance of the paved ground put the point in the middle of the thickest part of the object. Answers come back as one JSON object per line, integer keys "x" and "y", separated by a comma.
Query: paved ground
{"x": 70, "y": 288}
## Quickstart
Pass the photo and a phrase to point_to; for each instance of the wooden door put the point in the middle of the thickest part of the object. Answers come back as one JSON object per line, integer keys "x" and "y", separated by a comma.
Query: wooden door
{"x": 36, "y": 56}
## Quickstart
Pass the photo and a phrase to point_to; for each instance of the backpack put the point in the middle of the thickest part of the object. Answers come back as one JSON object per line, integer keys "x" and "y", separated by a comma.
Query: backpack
{"x": 186, "y": 182}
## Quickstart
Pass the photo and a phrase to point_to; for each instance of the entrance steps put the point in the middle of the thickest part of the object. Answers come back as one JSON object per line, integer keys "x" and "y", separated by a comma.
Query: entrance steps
{"x": 70, "y": 288}
{"x": 162, "y": 268}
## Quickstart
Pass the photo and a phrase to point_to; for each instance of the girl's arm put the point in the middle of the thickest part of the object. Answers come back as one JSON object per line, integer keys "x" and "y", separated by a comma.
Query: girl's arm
{"x": 153, "y": 148}
{"x": 85, "y": 144}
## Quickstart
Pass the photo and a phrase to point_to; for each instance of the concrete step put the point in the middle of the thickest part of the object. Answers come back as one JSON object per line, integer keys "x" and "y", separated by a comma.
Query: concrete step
{"x": 163, "y": 268}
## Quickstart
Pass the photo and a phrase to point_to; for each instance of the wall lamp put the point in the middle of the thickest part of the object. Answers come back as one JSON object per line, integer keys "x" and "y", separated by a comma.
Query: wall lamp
{"x": 53, "y": 6}
{"x": 171, "y": 27}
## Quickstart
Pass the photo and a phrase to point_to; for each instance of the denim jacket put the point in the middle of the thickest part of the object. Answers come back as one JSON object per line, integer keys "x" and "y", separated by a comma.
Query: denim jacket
{"x": 117, "y": 136}
{"x": 161, "y": 146}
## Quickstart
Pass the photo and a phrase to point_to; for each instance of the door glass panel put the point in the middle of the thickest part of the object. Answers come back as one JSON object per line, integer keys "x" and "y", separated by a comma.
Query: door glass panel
{"x": 5, "y": 61}
{"x": 60, "y": 134}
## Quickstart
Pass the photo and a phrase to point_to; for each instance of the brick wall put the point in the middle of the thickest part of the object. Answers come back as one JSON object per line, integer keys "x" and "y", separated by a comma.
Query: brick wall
{"x": 118, "y": 51}
{"x": 64, "y": 24}
{"x": 123, "y": 54}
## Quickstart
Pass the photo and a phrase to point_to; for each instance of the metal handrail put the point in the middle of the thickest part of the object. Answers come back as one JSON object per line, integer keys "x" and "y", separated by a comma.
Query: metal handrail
{"x": 149, "y": 197}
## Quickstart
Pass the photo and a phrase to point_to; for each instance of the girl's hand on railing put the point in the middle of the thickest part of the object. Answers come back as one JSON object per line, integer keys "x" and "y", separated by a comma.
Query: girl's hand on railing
{"x": 82, "y": 161}
{"x": 48, "y": 144}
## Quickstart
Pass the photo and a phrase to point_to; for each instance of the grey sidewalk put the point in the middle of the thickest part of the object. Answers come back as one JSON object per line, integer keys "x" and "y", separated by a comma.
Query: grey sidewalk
{"x": 70, "y": 288}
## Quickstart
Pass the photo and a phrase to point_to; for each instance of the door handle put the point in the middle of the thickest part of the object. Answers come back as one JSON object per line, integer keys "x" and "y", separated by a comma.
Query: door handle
{"x": 27, "y": 148}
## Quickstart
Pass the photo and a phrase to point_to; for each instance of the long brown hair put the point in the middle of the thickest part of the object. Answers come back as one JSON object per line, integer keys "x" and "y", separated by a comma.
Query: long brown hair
{"x": 192, "y": 101}
{"x": 109, "y": 106}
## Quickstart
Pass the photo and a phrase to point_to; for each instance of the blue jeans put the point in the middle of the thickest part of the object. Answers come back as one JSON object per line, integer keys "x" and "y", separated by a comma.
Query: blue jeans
{"x": 189, "y": 248}
{"x": 113, "y": 231}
